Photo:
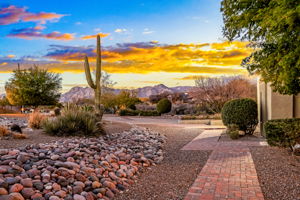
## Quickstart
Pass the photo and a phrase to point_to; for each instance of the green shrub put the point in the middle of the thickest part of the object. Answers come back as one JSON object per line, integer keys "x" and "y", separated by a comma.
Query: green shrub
{"x": 164, "y": 106}
{"x": 128, "y": 112}
{"x": 73, "y": 123}
{"x": 283, "y": 132}
{"x": 132, "y": 107}
{"x": 234, "y": 134}
{"x": 233, "y": 131}
{"x": 57, "y": 111}
{"x": 148, "y": 113}
{"x": 241, "y": 112}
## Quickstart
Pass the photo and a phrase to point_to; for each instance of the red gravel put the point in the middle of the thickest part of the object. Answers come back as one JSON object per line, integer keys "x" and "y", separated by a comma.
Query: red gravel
{"x": 37, "y": 136}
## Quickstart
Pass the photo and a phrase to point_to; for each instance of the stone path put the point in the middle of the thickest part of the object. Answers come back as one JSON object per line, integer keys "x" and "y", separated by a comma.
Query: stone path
{"x": 229, "y": 172}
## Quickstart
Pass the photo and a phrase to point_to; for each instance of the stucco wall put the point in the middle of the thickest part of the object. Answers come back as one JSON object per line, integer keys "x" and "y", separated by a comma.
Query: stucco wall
{"x": 297, "y": 106}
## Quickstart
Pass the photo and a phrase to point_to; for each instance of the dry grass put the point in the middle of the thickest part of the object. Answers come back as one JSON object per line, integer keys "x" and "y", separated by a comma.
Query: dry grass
{"x": 36, "y": 119}
{"x": 3, "y": 131}
{"x": 19, "y": 135}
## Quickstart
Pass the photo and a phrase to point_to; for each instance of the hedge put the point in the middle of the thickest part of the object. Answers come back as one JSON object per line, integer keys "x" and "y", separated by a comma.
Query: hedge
{"x": 129, "y": 112}
{"x": 241, "y": 112}
{"x": 283, "y": 132}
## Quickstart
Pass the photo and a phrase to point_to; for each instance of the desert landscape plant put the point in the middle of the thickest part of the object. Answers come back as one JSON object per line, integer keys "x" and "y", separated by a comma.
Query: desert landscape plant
{"x": 233, "y": 131}
{"x": 3, "y": 131}
{"x": 96, "y": 85}
{"x": 242, "y": 113}
{"x": 164, "y": 106}
{"x": 33, "y": 86}
{"x": 73, "y": 122}
{"x": 283, "y": 132}
{"x": 36, "y": 119}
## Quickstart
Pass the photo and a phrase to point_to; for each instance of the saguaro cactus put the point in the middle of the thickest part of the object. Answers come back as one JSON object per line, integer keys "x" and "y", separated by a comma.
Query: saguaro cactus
{"x": 97, "y": 84}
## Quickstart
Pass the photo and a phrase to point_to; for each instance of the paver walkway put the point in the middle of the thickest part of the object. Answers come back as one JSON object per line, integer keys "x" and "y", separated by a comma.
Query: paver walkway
{"x": 229, "y": 172}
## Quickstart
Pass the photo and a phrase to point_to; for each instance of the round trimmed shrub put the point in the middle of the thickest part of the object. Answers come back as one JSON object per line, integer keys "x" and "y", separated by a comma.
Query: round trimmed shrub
{"x": 164, "y": 106}
{"x": 241, "y": 112}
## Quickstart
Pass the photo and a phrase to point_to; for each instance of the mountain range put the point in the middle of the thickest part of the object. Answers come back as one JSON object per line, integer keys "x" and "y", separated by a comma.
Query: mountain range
{"x": 76, "y": 93}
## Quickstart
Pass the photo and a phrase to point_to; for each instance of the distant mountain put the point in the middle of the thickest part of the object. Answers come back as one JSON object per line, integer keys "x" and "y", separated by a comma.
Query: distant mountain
{"x": 76, "y": 93}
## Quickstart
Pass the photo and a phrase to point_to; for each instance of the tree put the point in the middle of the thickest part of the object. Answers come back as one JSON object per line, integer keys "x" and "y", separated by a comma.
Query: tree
{"x": 106, "y": 83}
{"x": 273, "y": 28}
{"x": 33, "y": 86}
{"x": 4, "y": 102}
{"x": 127, "y": 99}
{"x": 212, "y": 93}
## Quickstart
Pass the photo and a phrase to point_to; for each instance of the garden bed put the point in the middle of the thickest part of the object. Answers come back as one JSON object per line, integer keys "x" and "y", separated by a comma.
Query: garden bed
{"x": 79, "y": 168}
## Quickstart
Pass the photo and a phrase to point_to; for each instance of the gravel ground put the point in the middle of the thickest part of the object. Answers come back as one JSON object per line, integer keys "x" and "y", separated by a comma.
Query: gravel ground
{"x": 278, "y": 172}
{"x": 37, "y": 136}
{"x": 171, "y": 179}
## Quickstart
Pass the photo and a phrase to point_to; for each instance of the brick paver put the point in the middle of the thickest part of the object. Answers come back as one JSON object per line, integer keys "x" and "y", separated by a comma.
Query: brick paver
{"x": 229, "y": 172}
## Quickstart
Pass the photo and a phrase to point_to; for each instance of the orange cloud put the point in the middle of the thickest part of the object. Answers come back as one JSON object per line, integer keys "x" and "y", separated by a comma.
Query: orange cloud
{"x": 10, "y": 56}
{"x": 42, "y": 17}
{"x": 143, "y": 58}
{"x": 86, "y": 37}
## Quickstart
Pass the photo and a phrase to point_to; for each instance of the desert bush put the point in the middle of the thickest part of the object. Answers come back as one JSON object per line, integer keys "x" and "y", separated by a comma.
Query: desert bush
{"x": 148, "y": 113}
{"x": 233, "y": 131}
{"x": 164, "y": 106}
{"x": 132, "y": 107}
{"x": 19, "y": 135}
{"x": 241, "y": 112}
{"x": 283, "y": 132}
{"x": 36, "y": 119}
{"x": 73, "y": 123}
{"x": 3, "y": 131}
{"x": 57, "y": 111}
{"x": 129, "y": 112}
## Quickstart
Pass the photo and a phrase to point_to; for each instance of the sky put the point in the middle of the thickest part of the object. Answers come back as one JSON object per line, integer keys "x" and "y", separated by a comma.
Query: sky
{"x": 144, "y": 42}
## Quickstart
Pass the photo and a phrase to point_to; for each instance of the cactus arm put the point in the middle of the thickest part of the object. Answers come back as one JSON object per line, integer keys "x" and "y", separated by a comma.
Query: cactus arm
{"x": 88, "y": 73}
{"x": 98, "y": 62}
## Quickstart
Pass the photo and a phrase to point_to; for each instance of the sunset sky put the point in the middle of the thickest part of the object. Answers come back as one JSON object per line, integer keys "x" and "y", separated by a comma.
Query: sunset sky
{"x": 144, "y": 42}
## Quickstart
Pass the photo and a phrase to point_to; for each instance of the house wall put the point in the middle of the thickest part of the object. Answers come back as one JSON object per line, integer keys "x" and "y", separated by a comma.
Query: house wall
{"x": 297, "y": 106}
{"x": 282, "y": 106}
{"x": 272, "y": 105}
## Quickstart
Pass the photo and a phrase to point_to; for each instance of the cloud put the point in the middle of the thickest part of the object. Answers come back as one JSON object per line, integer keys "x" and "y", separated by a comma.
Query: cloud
{"x": 41, "y": 17}
{"x": 147, "y": 31}
{"x": 35, "y": 32}
{"x": 120, "y": 30}
{"x": 86, "y": 37}
{"x": 10, "y": 56}
{"x": 13, "y": 14}
{"x": 148, "y": 57}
